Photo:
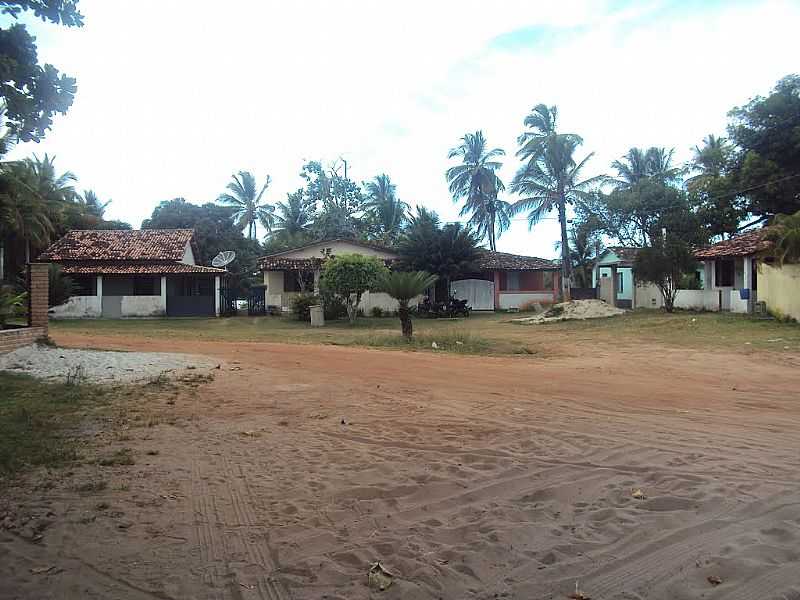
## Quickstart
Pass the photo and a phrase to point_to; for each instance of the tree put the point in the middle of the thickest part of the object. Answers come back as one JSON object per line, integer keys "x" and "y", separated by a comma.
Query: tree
{"x": 785, "y": 236}
{"x": 385, "y": 210}
{"x": 31, "y": 94}
{"x": 476, "y": 182}
{"x": 403, "y": 286}
{"x": 215, "y": 230}
{"x": 349, "y": 276}
{"x": 246, "y": 198}
{"x": 551, "y": 179}
{"x": 338, "y": 202}
{"x": 639, "y": 165}
{"x": 293, "y": 216}
{"x": 712, "y": 187}
{"x": 767, "y": 134}
{"x": 665, "y": 264}
{"x": 585, "y": 243}
{"x": 447, "y": 252}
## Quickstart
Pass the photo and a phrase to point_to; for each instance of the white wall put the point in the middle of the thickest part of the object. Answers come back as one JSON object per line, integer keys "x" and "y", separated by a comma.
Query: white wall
{"x": 188, "y": 255}
{"x": 516, "y": 300}
{"x": 649, "y": 296}
{"x": 78, "y": 307}
{"x": 336, "y": 248}
{"x": 143, "y": 306}
{"x": 385, "y": 302}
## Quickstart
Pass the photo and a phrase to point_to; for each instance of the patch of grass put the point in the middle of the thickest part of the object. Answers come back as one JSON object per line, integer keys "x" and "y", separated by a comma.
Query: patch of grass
{"x": 122, "y": 457}
{"x": 446, "y": 341}
{"x": 35, "y": 419}
{"x": 91, "y": 487}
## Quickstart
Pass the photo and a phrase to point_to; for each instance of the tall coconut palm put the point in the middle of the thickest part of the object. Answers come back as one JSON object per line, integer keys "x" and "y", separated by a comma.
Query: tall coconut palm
{"x": 785, "y": 235}
{"x": 387, "y": 211}
{"x": 475, "y": 181}
{"x": 92, "y": 203}
{"x": 638, "y": 165}
{"x": 293, "y": 216}
{"x": 552, "y": 180}
{"x": 245, "y": 197}
{"x": 403, "y": 286}
{"x": 711, "y": 160}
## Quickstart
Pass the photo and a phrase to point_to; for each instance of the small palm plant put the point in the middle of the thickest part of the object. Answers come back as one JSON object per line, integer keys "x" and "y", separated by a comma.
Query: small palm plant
{"x": 403, "y": 286}
{"x": 785, "y": 235}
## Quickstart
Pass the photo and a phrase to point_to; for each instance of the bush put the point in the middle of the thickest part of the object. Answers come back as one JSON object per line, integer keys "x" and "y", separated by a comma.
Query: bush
{"x": 349, "y": 276}
{"x": 333, "y": 306}
{"x": 377, "y": 312}
{"x": 12, "y": 303}
{"x": 61, "y": 287}
{"x": 301, "y": 305}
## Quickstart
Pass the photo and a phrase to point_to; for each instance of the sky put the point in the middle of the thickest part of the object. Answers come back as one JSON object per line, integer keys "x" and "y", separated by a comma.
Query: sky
{"x": 174, "y": 96}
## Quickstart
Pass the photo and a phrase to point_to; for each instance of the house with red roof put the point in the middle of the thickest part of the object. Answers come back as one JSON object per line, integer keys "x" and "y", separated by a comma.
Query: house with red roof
{"x": 130, "y": 273}
{"x": 500, "y": 280}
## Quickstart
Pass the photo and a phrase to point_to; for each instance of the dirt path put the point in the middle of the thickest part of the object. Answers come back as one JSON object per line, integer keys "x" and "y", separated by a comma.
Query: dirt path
{"x": 469, "y": 477}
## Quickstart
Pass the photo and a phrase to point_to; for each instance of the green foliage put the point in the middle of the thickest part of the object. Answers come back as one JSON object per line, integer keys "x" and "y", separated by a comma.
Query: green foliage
{"x": 767, "y": 133}
{"x": 785, "y": 236}
{"x": 245, "y": 197}
{"x": 385, "y": 212}
{"x": 349, "y": 276}
{"x": 476, "y": 183}
{"x": 60, "y": 286}
{"x": 403, "y": 286}
{"x": 215, "y": 230}
{"x": 338, "y": 201}
{"x": 665, "y": 264}
{"x": 447, "y": 251}
{"x": 376, "y": 312}
{"x": 638, "y": 165}
{"x": 333, "y": 306}
{"x": 302, "y": 303}
{"x": 12, "y": 303}
{"x": 31, "y": 93}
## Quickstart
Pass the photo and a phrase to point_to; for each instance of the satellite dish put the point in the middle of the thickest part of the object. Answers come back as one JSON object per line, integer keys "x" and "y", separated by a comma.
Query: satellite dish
{"x": 223, "y": 258}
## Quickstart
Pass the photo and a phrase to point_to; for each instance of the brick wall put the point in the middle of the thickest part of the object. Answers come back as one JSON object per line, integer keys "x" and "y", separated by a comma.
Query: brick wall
{"x": 38, "y": 294}
{"x": 11, "y": 339}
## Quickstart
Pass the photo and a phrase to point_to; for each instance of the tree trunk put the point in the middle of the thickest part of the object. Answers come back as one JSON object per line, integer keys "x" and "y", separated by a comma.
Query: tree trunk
{"x": 405, "y": 320}
{"x": 492, "y": 242}
{"x": 565, "y": 266}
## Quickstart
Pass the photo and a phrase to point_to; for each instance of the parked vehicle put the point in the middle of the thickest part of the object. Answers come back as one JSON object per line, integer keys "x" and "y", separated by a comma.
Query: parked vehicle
{"x": 437, "y": 310}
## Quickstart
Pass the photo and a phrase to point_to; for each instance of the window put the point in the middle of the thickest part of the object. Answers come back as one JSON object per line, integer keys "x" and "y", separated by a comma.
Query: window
{"x": 620, "y": 284}
{"x": 291, "y": 281}
{"x": 146, "y": 286}
{"x": 548, "y": 280}
{"x": 512, "y": 281}
{"x": 84, "y": 285}
{"x": 723, "y": 272}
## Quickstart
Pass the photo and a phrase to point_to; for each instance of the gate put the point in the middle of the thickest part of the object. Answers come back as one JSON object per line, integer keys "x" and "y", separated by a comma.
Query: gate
{"x": 256, "y": 302}
{"x": 227, "y": 300}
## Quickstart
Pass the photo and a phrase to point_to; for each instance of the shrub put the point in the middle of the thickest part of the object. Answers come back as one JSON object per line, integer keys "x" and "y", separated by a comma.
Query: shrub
{"x": 349, "y": 276}
{"x": 333, "y": 306}
{"x": 12, "y": 303}
{"x": 61, "y": 287}
{"x": 377, "y": 312}
{"x": 301, "y": 305}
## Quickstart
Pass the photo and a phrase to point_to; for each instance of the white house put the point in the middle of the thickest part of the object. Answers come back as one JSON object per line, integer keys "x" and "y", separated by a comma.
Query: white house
{"x": 124, "y": 273}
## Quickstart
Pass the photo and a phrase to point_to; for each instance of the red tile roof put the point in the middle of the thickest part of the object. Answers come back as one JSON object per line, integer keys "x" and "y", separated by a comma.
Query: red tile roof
{"x": 134, "y": 268}
{"x": 743, "y": 244}
{"x": 110, "y": 245}
{"x": 503, "y": 261}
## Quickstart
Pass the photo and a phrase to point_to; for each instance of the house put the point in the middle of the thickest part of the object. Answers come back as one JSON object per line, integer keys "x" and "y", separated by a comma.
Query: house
{"x": 616, "y": 264}
{"x": 501, "y": 280}
{"x": 123, "y": 273}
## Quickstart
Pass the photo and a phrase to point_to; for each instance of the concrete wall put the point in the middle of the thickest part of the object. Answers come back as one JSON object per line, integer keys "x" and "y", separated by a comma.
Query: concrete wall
{"x": 336, "y": 249}
{"x": 11, "y": 339}
{"x": 508, "y": 300}
{"x": 779, "y": 287}
{"x": 623, "y": 273}
{"x": 78, "y": 307}
{"x": 649, "y": 296}
{"x": 188, "y": 255}
{"x": 143, "y": 306}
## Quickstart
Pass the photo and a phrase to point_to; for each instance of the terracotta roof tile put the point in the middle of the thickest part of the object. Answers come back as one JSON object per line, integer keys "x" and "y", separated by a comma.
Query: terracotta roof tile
{"x": 743, "y": 244}
{"x": 145, "y": 244}
{"x": 490, "y": 261}
{"x": 133, "y": 268}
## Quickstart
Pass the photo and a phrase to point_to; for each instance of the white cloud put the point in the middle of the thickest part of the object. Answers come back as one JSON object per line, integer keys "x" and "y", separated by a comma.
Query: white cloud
{"x": 176, "y": 96}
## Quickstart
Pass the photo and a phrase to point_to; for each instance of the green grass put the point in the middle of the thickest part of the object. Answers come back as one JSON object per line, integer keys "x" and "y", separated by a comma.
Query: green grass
{"x": 491, "y": 334}
{"x": 36, "y": 418}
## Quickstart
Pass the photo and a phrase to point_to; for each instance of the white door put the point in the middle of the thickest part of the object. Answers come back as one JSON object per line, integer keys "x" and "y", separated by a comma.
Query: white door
{"x": 478, "y": 293}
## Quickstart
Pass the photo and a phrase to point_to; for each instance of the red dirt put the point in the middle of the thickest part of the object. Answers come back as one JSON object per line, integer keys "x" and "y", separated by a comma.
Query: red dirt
{"x": 468, "y": 477}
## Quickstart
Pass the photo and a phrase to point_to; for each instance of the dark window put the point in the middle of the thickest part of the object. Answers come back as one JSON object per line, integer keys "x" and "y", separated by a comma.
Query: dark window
{"x": 205, "y": 287}
{"x": 146, "y": 286}
{"x": 84, "y": 285}
{"x": 547, "y": 280}
{"x": 723, "y": 276}
{"x": 291, "y": 281}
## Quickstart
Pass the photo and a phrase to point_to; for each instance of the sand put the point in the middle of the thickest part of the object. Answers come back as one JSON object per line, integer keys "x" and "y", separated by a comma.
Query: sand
{"x": 466, "y": 477}
{"x": 576, "y": 309}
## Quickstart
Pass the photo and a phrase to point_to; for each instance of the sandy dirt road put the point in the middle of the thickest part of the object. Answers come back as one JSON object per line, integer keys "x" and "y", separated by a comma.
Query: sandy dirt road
{"x": 468, "y": 477}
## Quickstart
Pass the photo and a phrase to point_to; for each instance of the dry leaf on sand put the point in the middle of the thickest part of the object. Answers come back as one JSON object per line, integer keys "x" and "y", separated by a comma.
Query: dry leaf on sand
{"x": 638, "y": 494}
{"x": 379, "y": 577}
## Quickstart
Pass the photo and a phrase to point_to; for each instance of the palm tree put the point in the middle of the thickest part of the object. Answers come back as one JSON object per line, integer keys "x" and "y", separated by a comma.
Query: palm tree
{"x": 710, "y": 161}
{"x": 638, "y": 165}
{"x": 785, "y": 235}
{"x": 94, "y": 206}
{"x": 385, "y": 208}
{"x": 476, "y": 182}
{"x": 551, "y": 180}
{"x": 403, "y": 286}
{"x": 247, "y": 202}
{"x": 293, "y": 216}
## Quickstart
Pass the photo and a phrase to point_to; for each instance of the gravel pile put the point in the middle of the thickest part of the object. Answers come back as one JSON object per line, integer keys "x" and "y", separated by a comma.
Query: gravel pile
{"x": 576, "y": 309}
{"x": 97, "y": 366}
